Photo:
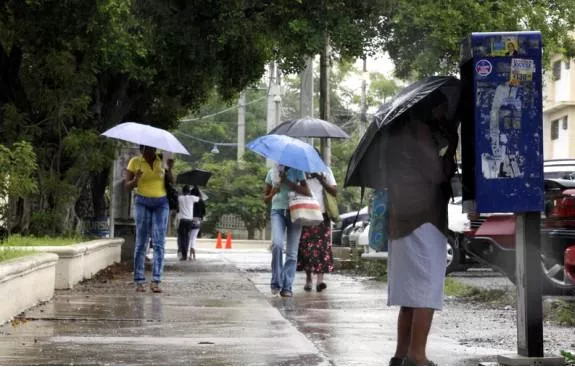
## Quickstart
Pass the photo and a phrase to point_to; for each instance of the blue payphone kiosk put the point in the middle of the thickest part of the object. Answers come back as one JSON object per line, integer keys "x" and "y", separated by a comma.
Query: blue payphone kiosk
{"x": 502, "y": 159}
{"x": 502, "y": 131}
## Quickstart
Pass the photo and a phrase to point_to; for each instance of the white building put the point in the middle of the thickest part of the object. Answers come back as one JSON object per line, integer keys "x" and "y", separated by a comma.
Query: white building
{"x": 559, "y": 110}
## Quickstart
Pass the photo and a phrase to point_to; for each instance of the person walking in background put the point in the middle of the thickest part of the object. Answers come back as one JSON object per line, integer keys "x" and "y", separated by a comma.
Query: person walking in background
{"x": 186, "y": 203}
{"x": 279, "y": 181}
{"x": 199, "y": 214}
{"x": 146, "y": 174}
{"x": 418, "y": 200}
{"x": 315, "y": 252}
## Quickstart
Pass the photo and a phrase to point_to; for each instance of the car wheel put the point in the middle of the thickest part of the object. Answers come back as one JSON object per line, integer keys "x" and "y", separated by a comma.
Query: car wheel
{"x": 453, "y": 254}
{"x": 555, "y": 280}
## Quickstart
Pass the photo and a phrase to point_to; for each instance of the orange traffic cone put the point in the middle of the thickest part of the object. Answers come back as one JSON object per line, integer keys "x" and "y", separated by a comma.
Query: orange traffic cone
{"x": 229, "y": 241}
{"x": 219, "y": 241}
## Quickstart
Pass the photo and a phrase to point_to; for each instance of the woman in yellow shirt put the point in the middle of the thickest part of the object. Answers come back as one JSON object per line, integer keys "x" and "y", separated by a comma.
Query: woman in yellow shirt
{"x": 146, "y": 174}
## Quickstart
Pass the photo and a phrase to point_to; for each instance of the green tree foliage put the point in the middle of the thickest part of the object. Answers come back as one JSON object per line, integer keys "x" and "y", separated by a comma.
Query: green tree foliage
{"x": 217, "y": 121}
{"x": 17, "y": 178}
{"x": 380, "y": 89}
{"x": 299, "y": 27}
{"x": 236, "y": 188}
{"x": 423, "y": 36}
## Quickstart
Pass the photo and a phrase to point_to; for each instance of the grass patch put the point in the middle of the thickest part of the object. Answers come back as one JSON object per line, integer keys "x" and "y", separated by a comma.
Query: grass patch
{"x": 562, "y": 313}
{"x": 495, "y": 297}
{"x": 9, "y": 254}
{"x": 374, "y": 268}
{"x": 569, "y": 357}
{"x": 355, "y": 265}
{"x": 18, "y": 240}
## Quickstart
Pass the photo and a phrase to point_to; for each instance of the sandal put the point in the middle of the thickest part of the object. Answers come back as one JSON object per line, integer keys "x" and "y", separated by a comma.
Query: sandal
{"x": 155, "y": 287}
{"x": 321, "y": 286}
{"x": 140, "y": 288}
{"x": 286, "y": 294}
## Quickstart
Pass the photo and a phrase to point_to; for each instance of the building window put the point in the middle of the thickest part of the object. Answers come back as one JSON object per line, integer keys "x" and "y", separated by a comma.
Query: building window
{"x": 565, "y": 124}
{"x": 554, "y": 129}
{"x": 557, "y": 70}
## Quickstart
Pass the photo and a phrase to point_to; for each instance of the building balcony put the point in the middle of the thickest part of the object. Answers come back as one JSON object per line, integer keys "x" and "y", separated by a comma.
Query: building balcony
{"x": 552, "y": 107}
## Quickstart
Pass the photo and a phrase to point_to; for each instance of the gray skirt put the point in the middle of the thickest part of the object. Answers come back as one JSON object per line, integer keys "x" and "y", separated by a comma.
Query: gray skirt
{"x": 416, "y": 268}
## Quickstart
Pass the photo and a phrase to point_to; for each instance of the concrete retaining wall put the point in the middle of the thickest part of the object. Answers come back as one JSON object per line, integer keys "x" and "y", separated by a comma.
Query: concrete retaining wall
{"x": 25, "y": 282}
{"x": 82, "y": 260}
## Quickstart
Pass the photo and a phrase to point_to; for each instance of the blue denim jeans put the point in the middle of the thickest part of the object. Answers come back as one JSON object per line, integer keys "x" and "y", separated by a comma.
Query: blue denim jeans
{"x": 283, "y": 273}
{"x": 151, "y": 215}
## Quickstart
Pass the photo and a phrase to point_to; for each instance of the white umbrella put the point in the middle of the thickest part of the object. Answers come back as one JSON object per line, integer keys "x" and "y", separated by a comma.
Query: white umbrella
{"x": 146, "y": 135}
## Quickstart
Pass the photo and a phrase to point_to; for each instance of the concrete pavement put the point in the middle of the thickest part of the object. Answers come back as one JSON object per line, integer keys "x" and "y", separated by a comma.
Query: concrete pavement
{"x": 216, "y": 311}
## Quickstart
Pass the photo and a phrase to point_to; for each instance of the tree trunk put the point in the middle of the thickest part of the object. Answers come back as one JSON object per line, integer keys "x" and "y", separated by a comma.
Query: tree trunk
{"x": 99, "y": 184}
{"x": 251, "y": 233}
{"x": 19, "y": 212}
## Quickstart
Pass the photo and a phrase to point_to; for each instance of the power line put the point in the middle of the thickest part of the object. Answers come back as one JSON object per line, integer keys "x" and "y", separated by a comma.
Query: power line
{"x": 222, "y": 111}
{"x": 220, "y": 144}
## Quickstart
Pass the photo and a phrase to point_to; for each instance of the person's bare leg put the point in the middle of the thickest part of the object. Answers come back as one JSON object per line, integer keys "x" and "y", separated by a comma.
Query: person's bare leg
{"x": 421, "y": 324}
{"x": 319, "y": 278}
{"x": 193, "y": 253}
{"x": 404, "y": 323}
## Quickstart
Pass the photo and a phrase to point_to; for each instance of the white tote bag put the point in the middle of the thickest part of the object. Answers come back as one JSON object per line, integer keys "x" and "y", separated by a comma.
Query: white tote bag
{"x": 304, "y": 210}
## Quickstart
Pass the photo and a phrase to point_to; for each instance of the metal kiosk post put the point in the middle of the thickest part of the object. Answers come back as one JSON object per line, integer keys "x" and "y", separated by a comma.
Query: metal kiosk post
{"x": 502, "y": 159}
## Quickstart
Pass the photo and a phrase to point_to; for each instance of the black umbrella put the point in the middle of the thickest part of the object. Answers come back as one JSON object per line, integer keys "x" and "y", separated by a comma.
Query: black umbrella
{"x": 365, "y": 168}
{"x": 309, "y": 127}
{"x": 194, "y": 177}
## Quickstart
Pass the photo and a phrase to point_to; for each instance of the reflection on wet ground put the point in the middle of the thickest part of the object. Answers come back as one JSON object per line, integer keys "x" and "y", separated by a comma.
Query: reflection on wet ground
{"x": 215, "y": 311}
{"x": 209, "y": 314}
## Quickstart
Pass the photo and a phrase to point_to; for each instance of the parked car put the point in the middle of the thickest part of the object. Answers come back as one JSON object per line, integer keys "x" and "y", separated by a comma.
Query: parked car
{"x": 347, "y": 232}
{"x": 360, "y": 228}
{"x": 559, "y": 168}
{"x": 462, "y": 226}
{"x": 345, "y": 220}
{"x": 492, "y": 239}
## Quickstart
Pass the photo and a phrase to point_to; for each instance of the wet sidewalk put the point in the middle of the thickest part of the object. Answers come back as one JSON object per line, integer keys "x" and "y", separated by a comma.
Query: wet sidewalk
{"x": 215, "y": 311}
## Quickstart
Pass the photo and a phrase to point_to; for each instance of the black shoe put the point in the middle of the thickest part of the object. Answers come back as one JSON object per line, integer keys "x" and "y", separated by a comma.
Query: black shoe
{"x": 409, "y": 362}
{"x": 321, "y": 286}
{"x": 396, "y": 361}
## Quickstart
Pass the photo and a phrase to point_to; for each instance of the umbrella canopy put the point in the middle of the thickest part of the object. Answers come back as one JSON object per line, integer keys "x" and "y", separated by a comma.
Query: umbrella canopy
{"x": 134, "y": 132}
{"x": 365, "y": 168}
{"x": 289, "y": 152}
{"x": 194, "y": 177}
{"x": 309, "y": 127}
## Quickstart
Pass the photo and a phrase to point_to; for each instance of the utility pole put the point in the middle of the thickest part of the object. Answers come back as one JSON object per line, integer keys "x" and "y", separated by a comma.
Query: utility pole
{"x": 324, "y": 98}
{"x": 306, "y": 92}
{"x": 278, "y": 97}
{"x": 306, "y": 89}
{"x": 241, "y": 125}
{"x": 363, "y": 118}
{"x": 270, "y": 113}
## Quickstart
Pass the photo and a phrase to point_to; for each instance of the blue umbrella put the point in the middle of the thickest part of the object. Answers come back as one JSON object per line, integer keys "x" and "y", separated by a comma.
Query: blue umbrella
{"x": 289, "y": 152}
